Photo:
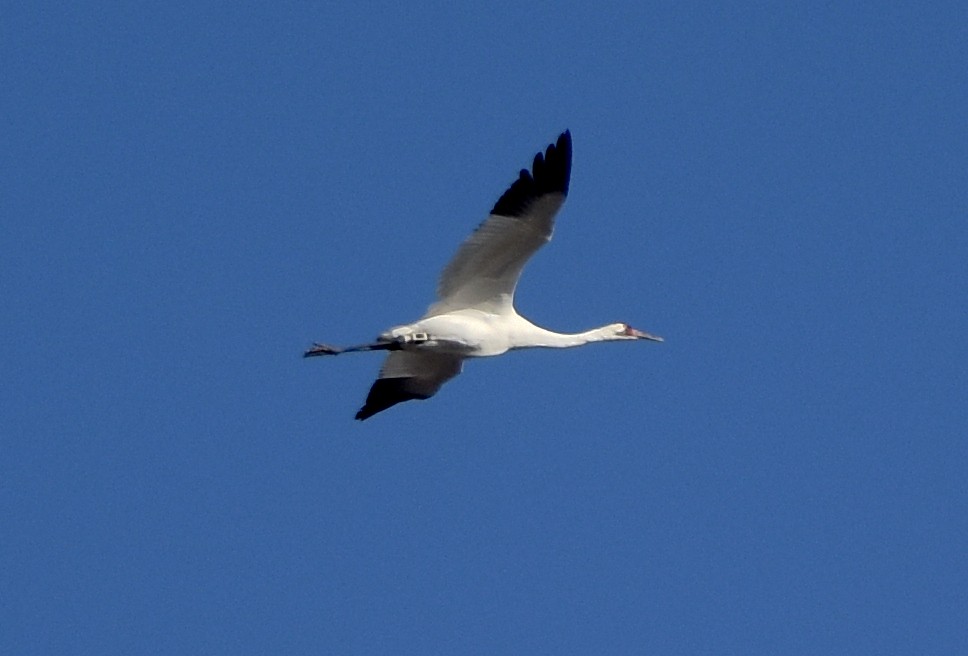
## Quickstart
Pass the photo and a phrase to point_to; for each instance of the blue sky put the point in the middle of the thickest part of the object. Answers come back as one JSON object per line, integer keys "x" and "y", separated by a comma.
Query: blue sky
{"x": 195, "y": 193}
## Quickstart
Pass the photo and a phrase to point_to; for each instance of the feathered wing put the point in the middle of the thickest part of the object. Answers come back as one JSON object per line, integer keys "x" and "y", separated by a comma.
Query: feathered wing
{"x": 486, "y": 268}
{"x": 408, "y": 375}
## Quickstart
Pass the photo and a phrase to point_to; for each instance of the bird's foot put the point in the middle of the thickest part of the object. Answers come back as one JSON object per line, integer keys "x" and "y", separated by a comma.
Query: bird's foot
{"x": 322, "y": 349}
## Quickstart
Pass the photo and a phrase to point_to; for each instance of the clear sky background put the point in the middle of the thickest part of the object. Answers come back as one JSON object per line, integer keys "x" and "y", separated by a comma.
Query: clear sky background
{"x": 194, "y": 193}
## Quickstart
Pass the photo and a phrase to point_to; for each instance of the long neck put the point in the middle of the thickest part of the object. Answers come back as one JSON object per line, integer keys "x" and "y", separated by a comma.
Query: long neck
{"x": 536, "y": 337}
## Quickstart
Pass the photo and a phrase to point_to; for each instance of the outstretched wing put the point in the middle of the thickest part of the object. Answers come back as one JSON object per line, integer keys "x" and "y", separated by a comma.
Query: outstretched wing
{"x": 486, "y": 268}
{"x": 407, "y": 375}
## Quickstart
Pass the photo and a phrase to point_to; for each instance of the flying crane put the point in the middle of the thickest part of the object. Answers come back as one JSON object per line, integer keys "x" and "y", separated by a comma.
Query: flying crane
{"x": 474, "y": 315}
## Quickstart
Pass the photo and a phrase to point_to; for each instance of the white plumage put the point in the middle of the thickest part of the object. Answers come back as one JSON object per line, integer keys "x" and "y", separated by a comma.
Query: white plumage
{"x": 474, "y": 315}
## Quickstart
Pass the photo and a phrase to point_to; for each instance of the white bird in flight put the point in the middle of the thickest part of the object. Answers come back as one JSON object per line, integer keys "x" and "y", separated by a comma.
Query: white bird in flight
{"x": 474, "y": 315}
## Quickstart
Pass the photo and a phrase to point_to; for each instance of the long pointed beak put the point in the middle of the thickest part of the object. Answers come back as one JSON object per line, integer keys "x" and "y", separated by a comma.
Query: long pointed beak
{"x": 638, "y": 334}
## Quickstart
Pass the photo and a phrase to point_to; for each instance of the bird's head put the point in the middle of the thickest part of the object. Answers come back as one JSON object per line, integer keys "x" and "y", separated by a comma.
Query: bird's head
{"x": 625, "y": 331}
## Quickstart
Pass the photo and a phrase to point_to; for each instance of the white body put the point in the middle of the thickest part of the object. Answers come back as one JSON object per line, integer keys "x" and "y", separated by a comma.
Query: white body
{"x": 477, "y": 333}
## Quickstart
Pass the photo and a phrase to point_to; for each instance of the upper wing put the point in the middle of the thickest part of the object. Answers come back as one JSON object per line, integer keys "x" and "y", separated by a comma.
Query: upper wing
{"x": 486, "y": 268}
{"x": 406, "y": 376}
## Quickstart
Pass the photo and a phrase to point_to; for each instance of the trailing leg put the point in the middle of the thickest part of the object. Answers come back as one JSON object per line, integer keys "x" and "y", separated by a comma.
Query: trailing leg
{"x": 325, "y": 349}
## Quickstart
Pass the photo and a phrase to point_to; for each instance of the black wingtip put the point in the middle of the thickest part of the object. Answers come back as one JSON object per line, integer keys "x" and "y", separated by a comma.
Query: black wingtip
{"x": 550, "y": 173}
{"x": 386, "y": 393}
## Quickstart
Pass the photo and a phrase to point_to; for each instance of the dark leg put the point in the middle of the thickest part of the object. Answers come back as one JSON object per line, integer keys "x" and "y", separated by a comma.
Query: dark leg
{"x": 322, "y": 349}
{"x": 325, "y": 349}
